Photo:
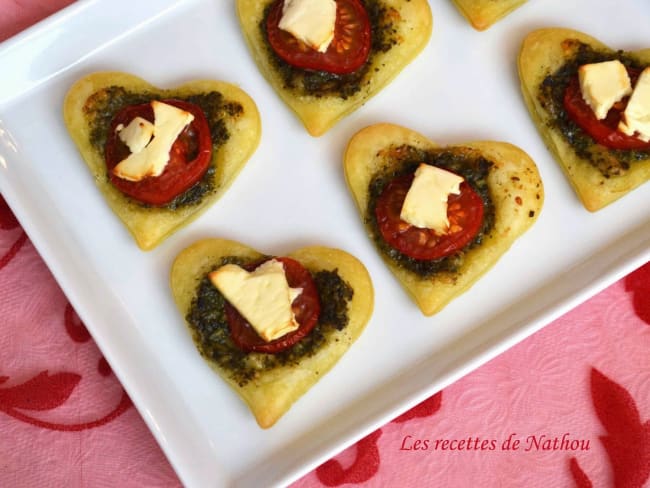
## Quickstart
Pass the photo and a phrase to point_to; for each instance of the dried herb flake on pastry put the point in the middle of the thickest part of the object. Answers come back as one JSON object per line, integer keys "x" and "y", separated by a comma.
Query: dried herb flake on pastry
{"x": 440, "y": 217}
{"x": 160, "y": 156}
{"x": 591, "y": 105}
{"x": 271, "y": 326}
{"x": 326, "y": 58}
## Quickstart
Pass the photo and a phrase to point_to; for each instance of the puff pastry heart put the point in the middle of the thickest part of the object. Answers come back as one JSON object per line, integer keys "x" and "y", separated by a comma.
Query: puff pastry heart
{"x": 512, "y": 183}
{"x": 269, "y": 392}
{"x": 407, "y": 27}
{"x": 549, "y": 57}
{"x": 97, "y": 96}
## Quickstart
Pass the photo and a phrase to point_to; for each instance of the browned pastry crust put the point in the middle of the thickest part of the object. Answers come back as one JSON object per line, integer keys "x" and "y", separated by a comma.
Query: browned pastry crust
{"x": 483, "y": 13}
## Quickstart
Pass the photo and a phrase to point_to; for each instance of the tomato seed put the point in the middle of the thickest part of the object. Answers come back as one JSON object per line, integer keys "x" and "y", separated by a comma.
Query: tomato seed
{"x": 403, "y": 226}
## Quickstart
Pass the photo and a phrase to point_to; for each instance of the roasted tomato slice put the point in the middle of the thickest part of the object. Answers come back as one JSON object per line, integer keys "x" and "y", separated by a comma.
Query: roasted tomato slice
{"x": 604, "y": 131}
{"x": 464, "y": 211}
{"x": 306, "y": 308}
{"x": 347, "y": 52}
{"x": 189, "y": 156}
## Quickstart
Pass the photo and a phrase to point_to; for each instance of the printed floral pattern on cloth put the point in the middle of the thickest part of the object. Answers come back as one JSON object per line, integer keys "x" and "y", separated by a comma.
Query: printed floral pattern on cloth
{"x": 65, "y": 420}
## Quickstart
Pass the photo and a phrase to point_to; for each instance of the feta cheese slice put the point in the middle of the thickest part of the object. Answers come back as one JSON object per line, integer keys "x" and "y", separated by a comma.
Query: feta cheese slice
{"x": 425, "y": 205}
{"x": 169, "y": 122}
{"x": 136, "y": 135}
{"x": 636, "y": 117}
{"x": 311, "y": 21}
{"x": 603, "y": 84}
{"x": 262, "y": 296}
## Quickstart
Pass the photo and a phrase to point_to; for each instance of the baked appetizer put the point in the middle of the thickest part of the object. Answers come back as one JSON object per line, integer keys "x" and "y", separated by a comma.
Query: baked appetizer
{"x": 160, "y": 156}
{"x": 271, "y": 326}
{"x": 591, "y": 105}
{"x": 483, "y": 13}
{"x": 440, "y": 217}
{"x": 325, "y": 58}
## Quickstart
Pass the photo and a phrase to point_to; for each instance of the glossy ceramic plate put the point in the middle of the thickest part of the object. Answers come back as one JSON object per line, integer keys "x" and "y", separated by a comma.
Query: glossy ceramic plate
{"x": 464, "y": 86}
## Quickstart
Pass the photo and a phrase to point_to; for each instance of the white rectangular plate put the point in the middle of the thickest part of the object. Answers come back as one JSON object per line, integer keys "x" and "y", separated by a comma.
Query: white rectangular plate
{"x": 464, "y": 86}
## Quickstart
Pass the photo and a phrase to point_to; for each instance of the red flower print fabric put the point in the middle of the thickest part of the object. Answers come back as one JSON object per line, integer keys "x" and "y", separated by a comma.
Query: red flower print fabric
{"x": 638, "y": 284}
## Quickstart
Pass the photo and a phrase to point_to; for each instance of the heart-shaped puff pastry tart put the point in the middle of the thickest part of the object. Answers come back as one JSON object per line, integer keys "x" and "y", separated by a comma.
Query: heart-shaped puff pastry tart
{"x": 228, "y": 126}
{"x": 320, "y": 96}
{"x": 548, "y": 67}
{"x": 483, "y": 13}
{"x": 271, "y": 375}
{"x": 499, "y": 198}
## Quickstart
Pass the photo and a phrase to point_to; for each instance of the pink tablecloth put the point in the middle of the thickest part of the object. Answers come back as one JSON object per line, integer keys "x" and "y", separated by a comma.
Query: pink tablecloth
{"x": 570, "y": 406}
